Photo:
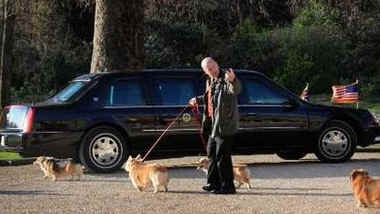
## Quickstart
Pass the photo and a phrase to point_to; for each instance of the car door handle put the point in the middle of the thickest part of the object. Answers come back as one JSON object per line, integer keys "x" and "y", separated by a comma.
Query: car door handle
{"x": 132, "y": 119}
{"x": 251, "y": 114}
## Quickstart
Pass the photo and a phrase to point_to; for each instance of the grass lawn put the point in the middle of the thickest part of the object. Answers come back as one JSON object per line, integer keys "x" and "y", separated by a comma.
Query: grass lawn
{"x": 372, "y": 148}
{"x": 9, "y": 156}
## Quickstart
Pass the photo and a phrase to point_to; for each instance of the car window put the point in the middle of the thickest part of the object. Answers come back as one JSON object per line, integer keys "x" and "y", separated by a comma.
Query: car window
{"x": 257, "y": 92}
{"x": 68, "y": 92}
{"x": 174, "y": 91}
{"x": 126, "y": 92}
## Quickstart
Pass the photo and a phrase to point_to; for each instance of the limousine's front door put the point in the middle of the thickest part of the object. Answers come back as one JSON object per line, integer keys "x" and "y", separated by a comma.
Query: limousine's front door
{"x": 269, "y": 120}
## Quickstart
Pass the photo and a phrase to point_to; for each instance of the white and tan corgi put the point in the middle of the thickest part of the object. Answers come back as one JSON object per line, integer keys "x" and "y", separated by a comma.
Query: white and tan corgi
{"x": 144, "y": 175}
{"x": 58, "y": 168}
{"x": 241, "y": 172}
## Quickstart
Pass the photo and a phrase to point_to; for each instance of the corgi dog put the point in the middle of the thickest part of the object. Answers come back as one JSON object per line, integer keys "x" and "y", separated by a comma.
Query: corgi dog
{"x": 38, "y": 162}
{"x": 241, "y": 172}
{"x": 144, "y": 175}
{"x": 58, "y": 168}
{"x": 366, "y": 190}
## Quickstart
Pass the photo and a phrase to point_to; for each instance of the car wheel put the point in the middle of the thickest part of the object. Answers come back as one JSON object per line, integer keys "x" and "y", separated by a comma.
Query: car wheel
{"x": 336, "y": 142}
{"x": 103, "y": 149}
{"x": 293, "y": 155}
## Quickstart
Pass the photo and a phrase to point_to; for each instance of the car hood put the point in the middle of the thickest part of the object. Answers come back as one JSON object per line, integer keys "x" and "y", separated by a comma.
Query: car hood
{"x": 358, "y": 114}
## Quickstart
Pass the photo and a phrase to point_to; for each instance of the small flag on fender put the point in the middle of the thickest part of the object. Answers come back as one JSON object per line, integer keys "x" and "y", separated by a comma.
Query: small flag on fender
{"x": 305, "y": 93}
{"x": 345, "y": 94}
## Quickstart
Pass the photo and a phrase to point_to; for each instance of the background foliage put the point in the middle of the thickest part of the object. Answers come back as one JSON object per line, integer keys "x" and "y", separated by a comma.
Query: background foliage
{"x": 323, "y": 42}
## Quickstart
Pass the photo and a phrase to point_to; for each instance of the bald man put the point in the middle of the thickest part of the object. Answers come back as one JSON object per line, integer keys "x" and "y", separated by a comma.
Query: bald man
{"x": 220, "y": 122}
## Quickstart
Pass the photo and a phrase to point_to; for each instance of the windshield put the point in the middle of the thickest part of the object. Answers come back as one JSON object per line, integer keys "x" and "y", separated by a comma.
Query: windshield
{"x": 68, "y": 92}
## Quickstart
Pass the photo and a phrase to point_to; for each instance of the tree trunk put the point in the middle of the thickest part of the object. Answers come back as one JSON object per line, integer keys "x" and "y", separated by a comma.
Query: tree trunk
{"x": 8, "y": 21}
{"x": 239, "y": 12}
{"x": 118, "y": 36}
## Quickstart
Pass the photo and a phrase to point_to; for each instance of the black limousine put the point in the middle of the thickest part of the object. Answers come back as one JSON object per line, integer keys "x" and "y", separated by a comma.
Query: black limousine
{"x": 101, "y": 118}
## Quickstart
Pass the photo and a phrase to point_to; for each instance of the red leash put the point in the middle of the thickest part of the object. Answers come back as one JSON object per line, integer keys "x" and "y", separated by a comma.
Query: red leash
{"x": 163, "y": 133}
{"x": 195, "y": 110}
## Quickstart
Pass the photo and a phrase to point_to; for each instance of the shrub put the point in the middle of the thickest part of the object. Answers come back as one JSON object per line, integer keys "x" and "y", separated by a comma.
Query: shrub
{"x": 168, "y": 45}
{"x": 308, "y": 55}
{"x": 179, "y": 44}
{"x": 43, "y": 76}
{"x": 250, "y": 48}
{"x": 316, "y": 13}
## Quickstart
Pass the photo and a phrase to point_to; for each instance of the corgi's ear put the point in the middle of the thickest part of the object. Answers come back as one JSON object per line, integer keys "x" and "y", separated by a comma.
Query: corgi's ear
{"x": 129, "y": 158}
{"x": 124, "y": 165}
{"x": 357, "y": 172}
{"x": 138, "y": 157}
{"x": 354, "y": 174}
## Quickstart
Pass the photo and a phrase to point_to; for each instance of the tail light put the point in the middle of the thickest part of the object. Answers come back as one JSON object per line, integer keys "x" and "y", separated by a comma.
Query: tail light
{"x": 29, "y": 120}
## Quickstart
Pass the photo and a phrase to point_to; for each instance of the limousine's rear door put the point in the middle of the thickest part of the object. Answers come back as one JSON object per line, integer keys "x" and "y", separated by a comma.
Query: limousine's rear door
{"x": 172, "y": 93}
{"x": 127, "y": 100}
{"x": 269, "y": 119}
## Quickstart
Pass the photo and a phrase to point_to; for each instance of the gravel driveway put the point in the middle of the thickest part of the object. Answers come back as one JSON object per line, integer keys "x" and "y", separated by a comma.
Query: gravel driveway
{"x": 293, "y": 187}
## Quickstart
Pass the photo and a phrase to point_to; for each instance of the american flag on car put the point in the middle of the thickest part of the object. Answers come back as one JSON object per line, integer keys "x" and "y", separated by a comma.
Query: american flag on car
{"x": 305, "y": 93}
{"x": 345, "y": 93}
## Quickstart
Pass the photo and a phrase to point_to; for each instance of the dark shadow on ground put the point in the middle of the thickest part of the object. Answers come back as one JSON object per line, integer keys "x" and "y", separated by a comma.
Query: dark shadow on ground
{"x": 89, "y": 180}
{"x": 286, "y": 189}
{"x": 312, "y": 169}
{"x": 295, "y": 194}
{"x": 305, "y": 168}
{"x": 252, "y": 192}
{"x": 22, "y": 192}
{"x": 200, "y": 192}
{"x": 292, "y": 170}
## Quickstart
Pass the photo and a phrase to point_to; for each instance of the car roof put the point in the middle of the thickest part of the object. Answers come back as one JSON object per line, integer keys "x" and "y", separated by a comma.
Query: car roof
{"x": 91, "y": 76}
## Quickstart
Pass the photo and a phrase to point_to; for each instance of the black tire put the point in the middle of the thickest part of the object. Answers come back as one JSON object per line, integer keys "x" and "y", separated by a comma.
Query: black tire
{"x": 292, "y": 155}
{"x": 336, "y": 142}
{"x": 103, "y": 149}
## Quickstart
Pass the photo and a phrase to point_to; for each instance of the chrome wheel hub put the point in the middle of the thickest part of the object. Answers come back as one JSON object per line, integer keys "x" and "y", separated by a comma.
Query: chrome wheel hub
{"x": 105, "y": 150}
{"x": 335, "y": 143}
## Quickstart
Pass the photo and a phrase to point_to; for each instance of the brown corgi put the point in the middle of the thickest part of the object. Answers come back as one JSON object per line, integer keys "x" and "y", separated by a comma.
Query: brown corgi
{"x": 366, "y": 189}
{"x": 58, "y": 168}
{"x": 143, "y": 175}
{"x": 241, "y": 172}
